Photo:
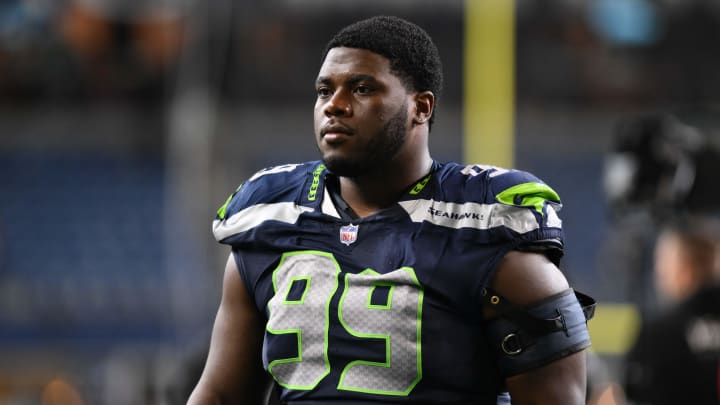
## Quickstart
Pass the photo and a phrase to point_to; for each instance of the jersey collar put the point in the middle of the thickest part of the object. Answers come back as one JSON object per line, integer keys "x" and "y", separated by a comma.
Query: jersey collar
{"x": 332, "y": 203}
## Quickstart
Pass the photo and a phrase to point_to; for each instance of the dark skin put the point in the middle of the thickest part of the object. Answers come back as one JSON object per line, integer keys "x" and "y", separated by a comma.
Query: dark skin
{"x": 357, "y": 96}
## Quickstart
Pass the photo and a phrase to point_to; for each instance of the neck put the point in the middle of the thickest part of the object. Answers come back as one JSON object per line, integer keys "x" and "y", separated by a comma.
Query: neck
{"x": 372, "y": 192}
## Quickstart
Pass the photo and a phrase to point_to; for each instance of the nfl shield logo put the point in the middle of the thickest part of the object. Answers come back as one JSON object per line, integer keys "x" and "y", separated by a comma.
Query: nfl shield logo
{"x": 348, "y": 234}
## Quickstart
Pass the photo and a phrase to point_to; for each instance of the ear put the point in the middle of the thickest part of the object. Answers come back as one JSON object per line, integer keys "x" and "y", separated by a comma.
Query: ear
{"x": 424, "y": 104}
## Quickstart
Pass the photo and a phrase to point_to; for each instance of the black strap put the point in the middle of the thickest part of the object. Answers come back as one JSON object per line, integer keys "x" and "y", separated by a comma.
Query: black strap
{"x": 587, "y": 303}
{"x": 506, "y": 308}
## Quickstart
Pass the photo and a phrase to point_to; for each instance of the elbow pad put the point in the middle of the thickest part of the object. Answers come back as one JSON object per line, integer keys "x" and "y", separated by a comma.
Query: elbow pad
{"x": 524, "y": 338}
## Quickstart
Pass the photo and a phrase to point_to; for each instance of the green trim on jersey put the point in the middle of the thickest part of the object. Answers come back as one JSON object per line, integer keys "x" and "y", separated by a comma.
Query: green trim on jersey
{"x": 531, "y": 194}
{"x": 222, "y": 211}
{"x": 300, "y": 300}
{"x": 312, "y": 194}
{"x": 420, "y": 185}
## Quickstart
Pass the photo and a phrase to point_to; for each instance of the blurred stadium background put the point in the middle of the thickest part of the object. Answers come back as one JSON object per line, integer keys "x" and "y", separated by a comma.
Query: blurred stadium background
{"x": 124, "y": 125}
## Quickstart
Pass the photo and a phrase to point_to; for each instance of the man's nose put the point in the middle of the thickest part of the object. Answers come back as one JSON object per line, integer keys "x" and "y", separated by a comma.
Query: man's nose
{"x": 339, "y": 104}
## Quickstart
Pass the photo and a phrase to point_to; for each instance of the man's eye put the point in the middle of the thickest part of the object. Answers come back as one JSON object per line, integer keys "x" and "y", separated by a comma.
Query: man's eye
{"x": 323, "y": 92}
{"x": 363, "y": 89}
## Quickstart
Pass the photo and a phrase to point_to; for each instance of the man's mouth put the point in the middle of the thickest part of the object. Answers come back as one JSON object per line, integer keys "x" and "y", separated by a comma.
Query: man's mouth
{"x": 335, "y": 131}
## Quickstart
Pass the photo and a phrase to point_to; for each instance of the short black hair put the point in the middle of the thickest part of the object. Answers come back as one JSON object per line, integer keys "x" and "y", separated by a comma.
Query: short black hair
{"x": 413, "y": 56}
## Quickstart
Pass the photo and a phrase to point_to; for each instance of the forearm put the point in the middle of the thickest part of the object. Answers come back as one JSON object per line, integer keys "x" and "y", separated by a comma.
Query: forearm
{"x": 561, "y": 382}
{"x": 255, "y": 395}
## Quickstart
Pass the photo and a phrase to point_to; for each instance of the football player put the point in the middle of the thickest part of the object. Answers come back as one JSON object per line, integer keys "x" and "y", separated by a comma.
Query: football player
{"x": 378, "y": 275}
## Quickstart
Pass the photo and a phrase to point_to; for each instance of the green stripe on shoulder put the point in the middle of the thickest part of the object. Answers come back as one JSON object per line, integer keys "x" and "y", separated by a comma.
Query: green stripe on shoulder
{"x": 222, "y": 211}
{"x": 529, "y": 195}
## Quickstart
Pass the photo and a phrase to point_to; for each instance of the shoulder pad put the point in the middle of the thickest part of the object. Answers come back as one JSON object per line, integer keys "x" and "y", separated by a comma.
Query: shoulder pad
{"x": 523, "y": 189}
{"x": 281, "y": 183}
{"x": 520, "y": 192}
{"x": 491, "y": 184}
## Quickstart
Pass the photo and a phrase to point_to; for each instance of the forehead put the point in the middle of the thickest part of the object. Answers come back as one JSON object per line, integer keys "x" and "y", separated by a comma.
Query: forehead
{"x": 352, "y": 61}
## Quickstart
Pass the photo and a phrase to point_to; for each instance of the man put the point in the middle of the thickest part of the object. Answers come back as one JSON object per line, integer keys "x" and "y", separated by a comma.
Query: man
{"x": 676, "y": 357}
{"x": 381, "y": 276}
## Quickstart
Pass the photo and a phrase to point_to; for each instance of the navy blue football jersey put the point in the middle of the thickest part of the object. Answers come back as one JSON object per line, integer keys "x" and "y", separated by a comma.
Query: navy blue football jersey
{"x": 387, "y": 308}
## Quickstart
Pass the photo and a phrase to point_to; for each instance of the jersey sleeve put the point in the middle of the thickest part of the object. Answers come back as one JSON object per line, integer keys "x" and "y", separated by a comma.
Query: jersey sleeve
{"x": 269, "y": 195}
{"x": 518, "y": 191}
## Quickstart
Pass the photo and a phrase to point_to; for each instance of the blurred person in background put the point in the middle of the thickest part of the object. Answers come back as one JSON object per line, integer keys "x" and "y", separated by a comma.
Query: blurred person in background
{"x": 676, "y": 357}
{"x": 379, "y": 275}
{"x": 661, "y": 165}
{"x": 663, "y": 169}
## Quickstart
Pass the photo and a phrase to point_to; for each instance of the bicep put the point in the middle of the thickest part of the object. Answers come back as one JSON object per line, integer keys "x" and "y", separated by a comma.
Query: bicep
{"x": 524, "y": 279}
{"x": 233, "y": 371}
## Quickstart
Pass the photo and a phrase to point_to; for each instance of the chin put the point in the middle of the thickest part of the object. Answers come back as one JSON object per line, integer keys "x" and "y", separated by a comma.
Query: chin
{"x": 345, "y": 167}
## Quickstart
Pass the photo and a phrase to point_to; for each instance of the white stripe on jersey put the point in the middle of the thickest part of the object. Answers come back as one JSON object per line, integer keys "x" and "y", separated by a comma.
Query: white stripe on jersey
{"x": 451, "y": 215}
{"x": 328, "y": 208}
{"x": 475, "y": 215}
{"x": 253, "y": 216}
{"x": 553, "y": 220}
